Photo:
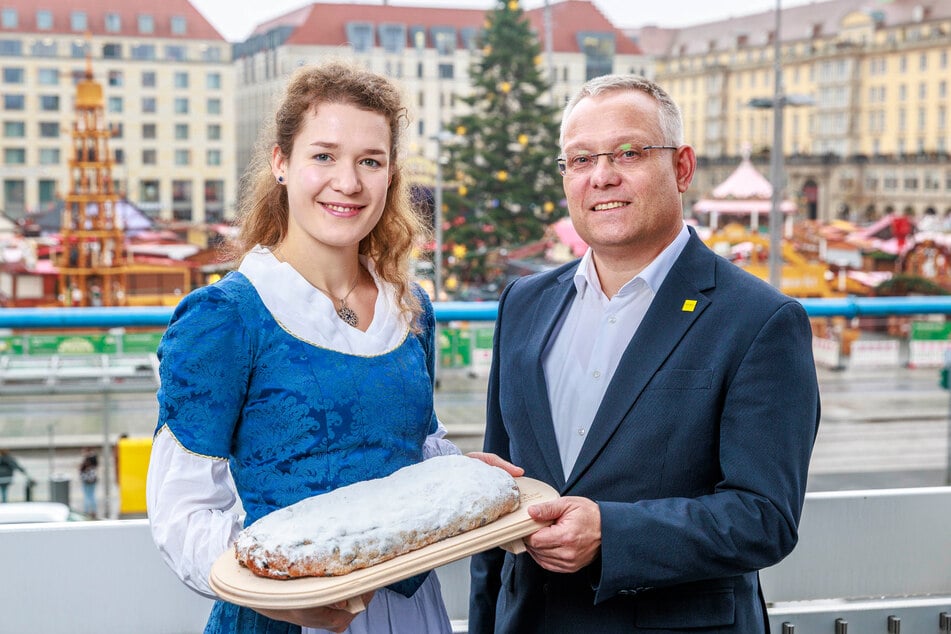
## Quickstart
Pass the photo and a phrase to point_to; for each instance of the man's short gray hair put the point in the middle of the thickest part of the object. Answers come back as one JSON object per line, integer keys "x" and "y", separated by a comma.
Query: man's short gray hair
{"x": 668, "y": 112}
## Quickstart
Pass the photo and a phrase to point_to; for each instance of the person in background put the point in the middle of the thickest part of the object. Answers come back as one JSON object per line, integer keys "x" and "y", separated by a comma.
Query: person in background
{"x": 89, "y": 477}
{"x": 8, "y": 466}
{"x": 670, "y": 397}
{"x": 311, "y": 366}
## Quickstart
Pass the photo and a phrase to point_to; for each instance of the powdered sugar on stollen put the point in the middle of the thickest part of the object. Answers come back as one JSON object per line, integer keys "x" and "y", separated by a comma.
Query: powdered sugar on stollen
{"x": 369, "y": 522}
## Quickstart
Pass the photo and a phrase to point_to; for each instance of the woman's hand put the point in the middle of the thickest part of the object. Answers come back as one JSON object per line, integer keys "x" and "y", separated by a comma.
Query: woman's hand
{"x": 495, "y": 461}
{"x": 335, "y": 617}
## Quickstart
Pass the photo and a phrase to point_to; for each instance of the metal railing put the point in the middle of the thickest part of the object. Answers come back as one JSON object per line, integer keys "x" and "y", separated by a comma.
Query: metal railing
{"x": 869, "y": 560}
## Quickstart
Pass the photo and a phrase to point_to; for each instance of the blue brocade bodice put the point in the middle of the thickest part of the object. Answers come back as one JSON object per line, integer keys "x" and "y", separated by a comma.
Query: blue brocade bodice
{"x": 293, "y": 419}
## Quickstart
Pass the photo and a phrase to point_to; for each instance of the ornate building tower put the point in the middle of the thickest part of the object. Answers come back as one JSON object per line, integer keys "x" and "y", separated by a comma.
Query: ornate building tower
{"x": 92, "y": 263}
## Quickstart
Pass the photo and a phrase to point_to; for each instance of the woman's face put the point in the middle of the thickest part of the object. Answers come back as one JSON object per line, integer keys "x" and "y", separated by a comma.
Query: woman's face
{"x": 337, "y": 175}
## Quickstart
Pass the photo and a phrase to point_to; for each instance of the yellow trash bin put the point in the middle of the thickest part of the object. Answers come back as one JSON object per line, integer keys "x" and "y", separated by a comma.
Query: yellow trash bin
{"x": 132, "y": 462}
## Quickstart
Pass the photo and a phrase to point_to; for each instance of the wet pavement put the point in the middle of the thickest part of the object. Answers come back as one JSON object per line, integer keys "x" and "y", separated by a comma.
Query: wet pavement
{"x": 880, "y": 428}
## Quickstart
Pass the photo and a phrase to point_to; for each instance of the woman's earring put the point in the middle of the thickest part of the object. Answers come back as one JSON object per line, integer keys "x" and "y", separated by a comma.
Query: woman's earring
{"x": 280, "y": 179}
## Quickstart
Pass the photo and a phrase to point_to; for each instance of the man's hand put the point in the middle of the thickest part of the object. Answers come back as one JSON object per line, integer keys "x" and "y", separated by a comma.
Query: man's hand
{"x": 496, "y": 461}
{"x": 335, "y": 617}
{"x": 572, "y": 541}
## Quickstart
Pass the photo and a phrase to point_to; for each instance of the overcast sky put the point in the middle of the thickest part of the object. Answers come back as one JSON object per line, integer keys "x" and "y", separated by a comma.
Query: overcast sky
{"x": 235, "y": 19}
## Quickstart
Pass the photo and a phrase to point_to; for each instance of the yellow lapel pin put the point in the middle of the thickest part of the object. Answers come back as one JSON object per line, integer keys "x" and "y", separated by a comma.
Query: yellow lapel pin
{"x": 689, "y": 305}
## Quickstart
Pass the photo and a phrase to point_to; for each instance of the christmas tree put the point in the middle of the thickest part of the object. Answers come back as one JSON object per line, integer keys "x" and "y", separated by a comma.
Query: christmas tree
{"x": 506, "y": 189}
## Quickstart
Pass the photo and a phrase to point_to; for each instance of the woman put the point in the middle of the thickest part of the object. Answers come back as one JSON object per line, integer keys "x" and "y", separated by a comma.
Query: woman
{"x": 311, "y": 366}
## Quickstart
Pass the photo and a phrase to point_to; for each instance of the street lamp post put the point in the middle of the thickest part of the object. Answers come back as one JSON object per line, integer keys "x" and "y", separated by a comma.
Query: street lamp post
{"x": 776, "y": 162}
{"x": 440, "y": 138}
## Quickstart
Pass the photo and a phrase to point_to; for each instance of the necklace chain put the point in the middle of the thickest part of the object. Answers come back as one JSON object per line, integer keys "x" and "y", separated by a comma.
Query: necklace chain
{"x": 344, "y": 312}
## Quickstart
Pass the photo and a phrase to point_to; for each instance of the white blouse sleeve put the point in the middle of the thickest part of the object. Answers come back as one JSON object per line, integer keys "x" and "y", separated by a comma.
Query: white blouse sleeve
{"x": 194, "y": 510}
{"x": 437, "y": 445}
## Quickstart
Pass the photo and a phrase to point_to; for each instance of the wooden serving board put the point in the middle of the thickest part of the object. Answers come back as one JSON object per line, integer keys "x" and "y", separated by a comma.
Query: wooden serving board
{"x": 236, "y": 584}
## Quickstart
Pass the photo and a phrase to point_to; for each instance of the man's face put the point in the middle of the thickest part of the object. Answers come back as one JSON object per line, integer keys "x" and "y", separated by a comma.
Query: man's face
{"x": 633, "y": 209}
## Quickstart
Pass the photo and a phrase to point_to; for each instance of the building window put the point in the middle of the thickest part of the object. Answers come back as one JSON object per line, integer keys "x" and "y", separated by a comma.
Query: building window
{"x": 181, "y": 80}
{"x": 183, "y": 158}
{"x": 11, "y": 48}
{"x": 181, "y": 199}
{"x": 14, "y": 102}
{"x": 114, "y": 104}
{"x": 148, "y": 79}
{"x": 213, "y": 158}
{"x": 44, "y": 20}
{"x": 115, "y": 78}
{"x": 181, "y": 131}
{"x": 49, "y": 129}
{"x": 113, "y": 23}
{"x": 118, "y": 156}
{"x": 14, "y": 193}
{"x": 148, "y": 105}
{"x": 446, "y": 71}
{"x": 49, "y": 156}
{"x": 178, "y": 25}
{"x": 214, "y": 132}
{"x": 47, "y": 189}
{"x": 470, "y": 37}
{"x": 181, "y": 105}
{"x": 211, "y": 54}
{"x": 47, "y": 76}
{"x": 213, "y": 81}
{"x": 146, "y": 24}
{"x": 13, "y": 75}
{"x": 149, "y": 157}
{"x": 78, "y": 21}
{"x": 444, "y": 39}
{"x": 360, "y": 36}
{"x": 149, "y": 191}
{"x": 393, "y": 38}
{"x": 14, "y": 129}
{"x": 175, "y": 53}
{"x": 44, "y": 48}
{"x": 417, "y": 36}
{"x": 49, "y": 103}
{"x": 148, "y": 131}
{"x": 598, "y": 49}
{"x": 77, "y": 50}
{"x": 14, "y": 156}
{"x": 112, "y": 51}
{"x": 214, "y": 105}
{"x": 143, "y": 52}
{"x": 9, "y": 19}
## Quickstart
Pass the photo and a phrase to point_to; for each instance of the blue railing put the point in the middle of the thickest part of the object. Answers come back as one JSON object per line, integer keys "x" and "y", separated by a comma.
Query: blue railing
{"x": 158, "y": 316}
{"x": 445, "y": 311}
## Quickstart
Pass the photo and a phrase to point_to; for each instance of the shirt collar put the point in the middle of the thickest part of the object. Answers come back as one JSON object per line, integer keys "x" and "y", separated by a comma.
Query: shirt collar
{"x": 653, "y": 274}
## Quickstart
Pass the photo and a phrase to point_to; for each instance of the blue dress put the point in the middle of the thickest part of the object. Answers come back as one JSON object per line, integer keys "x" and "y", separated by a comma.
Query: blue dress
{"x": 292, "y": 418}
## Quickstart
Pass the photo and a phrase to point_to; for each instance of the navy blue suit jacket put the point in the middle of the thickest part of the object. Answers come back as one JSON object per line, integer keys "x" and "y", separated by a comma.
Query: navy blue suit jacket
{"x": 697, "y": 457}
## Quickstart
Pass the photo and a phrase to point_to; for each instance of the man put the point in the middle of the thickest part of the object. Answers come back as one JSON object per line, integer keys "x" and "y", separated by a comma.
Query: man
{"x": 670, "y": 397}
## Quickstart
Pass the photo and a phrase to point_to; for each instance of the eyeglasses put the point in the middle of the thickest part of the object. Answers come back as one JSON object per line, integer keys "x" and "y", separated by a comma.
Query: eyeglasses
{"x": 624, "y": 158}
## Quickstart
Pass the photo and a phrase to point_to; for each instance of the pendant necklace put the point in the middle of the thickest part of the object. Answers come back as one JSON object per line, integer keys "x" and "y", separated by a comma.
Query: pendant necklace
{"x": 344, "y": 312}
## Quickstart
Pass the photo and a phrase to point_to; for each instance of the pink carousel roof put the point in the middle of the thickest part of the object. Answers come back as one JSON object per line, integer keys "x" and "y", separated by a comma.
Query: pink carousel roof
{"x": 743, "y": 191}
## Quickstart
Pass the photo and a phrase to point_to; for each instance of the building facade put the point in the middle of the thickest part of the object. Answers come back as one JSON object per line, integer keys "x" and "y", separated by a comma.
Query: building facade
{"x": 429, "y": 51}
{"x": 866, "y": 129}
{"x": 169, "y": 89}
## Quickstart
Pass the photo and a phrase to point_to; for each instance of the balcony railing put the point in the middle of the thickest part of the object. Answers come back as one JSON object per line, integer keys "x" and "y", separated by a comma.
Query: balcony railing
{"x": 870, "y": 560}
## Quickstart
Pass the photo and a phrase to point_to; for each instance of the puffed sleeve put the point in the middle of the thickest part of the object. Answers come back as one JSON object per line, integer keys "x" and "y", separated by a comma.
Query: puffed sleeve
{"x": 205, "y": 360}
{"x": 204, "y": 365}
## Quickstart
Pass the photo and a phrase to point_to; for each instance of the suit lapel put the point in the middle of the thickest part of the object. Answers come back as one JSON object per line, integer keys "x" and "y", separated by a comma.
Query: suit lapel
{"x": 549, "y": 307}
{"x": 668, "y": 319}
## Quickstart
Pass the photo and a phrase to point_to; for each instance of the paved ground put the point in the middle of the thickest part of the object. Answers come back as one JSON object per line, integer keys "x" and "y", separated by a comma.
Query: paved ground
{"x": 881, "y": 428}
